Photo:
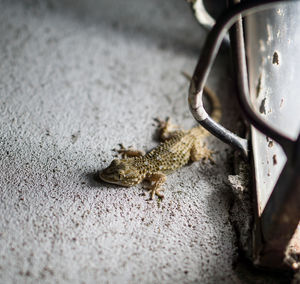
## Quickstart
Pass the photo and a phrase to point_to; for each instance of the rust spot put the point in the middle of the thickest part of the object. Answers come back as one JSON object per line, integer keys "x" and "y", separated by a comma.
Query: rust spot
{"x": 262, "y": 108}
{"x": 274, "y": 160}
{"x": 281, "y": 103}
{"x": 270, "y": 144}
{"x": 275, "y": 58}
{"x": 258, "y": 86}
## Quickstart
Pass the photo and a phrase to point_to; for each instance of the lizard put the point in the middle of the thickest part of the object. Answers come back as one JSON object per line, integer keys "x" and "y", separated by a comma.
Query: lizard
{"x": 177, "y": 149}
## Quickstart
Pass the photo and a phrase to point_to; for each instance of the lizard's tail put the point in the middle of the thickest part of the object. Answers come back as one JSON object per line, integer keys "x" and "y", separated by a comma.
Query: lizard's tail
{"x": 213, "y": 99}
{"x": 215, "y": 104}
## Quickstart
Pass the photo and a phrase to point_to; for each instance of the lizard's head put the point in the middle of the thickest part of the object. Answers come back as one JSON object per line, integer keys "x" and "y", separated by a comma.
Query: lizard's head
{"x": 121, "y": 172}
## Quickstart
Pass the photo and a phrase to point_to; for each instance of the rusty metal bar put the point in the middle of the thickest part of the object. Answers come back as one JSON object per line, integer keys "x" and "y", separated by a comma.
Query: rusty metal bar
{"x": 280, "y": 218}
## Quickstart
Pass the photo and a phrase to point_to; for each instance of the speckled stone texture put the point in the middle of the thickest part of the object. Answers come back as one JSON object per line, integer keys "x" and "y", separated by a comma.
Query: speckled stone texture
{"x": 76, "y": 79}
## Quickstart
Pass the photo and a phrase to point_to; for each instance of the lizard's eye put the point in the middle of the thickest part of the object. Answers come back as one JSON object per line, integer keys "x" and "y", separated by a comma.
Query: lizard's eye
{"x": 115, "y": 162}
{"x": 121, "y": 174}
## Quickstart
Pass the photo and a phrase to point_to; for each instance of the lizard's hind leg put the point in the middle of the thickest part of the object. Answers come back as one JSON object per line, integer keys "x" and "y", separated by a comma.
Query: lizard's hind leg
{"x": 156, "y": 180}
{"x": 167, "y": 129}
{"x": 200, "y": 152}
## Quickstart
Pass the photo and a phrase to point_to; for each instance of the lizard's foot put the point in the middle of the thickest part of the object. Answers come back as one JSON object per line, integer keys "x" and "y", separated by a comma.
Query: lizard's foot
{"x": 202, "y": 153}
{"x": 129, "y": 152}
{"x": 166, "y": 128}
{"x": 156, "y": 180}
{"x": 156, "y": 191}
{"x": 207, "y": 153}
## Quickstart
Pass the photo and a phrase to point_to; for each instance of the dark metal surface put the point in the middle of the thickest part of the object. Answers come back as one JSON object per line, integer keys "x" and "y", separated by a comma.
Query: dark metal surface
{"x": 281, "y": 215}
{"x": 207, "y": 57}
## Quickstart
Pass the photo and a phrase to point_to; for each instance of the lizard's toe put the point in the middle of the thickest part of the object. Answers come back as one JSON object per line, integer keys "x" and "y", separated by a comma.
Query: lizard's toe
{"x": 156, "y": 191}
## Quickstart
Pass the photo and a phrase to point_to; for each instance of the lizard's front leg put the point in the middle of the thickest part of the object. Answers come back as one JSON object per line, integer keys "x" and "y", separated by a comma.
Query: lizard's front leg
{"x": 129, "y": 152}
{"x": 156, "y": 180}
{"x": 167, "y": 129}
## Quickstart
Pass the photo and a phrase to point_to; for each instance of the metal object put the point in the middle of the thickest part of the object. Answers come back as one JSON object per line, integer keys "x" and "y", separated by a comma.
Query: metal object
{"x": 273, "y": 80}
{"x": 272, "y": 72}
{"x": 204, "y": 18}
{"x": 278, "y": 219}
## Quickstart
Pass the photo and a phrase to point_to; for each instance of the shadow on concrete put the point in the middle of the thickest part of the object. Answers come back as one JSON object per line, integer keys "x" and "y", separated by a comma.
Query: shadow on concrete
{"x": 165, "y": 24}
{"x": 248, "y": 273}
{"x": 94, "y": 181}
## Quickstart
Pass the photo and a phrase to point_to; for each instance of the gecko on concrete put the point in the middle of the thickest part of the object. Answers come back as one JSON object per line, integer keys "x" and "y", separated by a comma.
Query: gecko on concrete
{"x": 177, "y": 149}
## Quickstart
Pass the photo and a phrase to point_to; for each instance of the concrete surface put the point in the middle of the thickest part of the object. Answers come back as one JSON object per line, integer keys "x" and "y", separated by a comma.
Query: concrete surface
{"x": 76, "y": 79}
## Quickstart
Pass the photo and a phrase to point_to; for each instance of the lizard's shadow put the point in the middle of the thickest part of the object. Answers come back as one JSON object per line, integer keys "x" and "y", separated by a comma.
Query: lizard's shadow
{"x": 93, "y": 180}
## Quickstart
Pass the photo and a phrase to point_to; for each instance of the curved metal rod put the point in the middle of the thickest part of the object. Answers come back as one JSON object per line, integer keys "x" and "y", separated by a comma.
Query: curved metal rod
{"x": 208, "y": 55}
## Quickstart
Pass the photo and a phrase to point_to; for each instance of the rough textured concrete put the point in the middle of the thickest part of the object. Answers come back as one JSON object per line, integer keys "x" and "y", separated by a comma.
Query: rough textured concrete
{"x": 76, "y": 79}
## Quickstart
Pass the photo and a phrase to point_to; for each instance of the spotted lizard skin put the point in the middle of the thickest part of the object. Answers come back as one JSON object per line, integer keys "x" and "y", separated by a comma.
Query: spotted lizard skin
{"x": 177, "y": 150}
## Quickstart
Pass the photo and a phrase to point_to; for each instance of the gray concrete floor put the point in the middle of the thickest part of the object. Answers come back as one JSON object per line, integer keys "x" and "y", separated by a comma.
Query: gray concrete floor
{"x": 76, "y": 79}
